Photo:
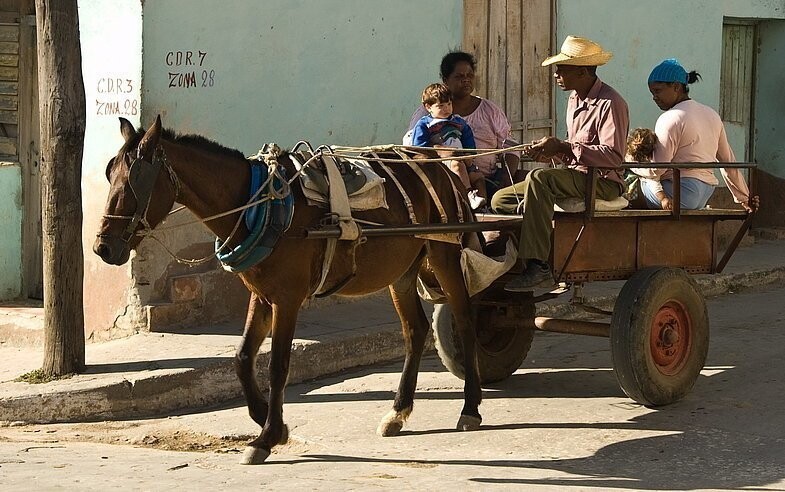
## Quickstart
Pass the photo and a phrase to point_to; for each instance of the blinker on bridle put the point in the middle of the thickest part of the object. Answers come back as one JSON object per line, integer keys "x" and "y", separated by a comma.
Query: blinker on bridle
{"x": 142, "y": 175}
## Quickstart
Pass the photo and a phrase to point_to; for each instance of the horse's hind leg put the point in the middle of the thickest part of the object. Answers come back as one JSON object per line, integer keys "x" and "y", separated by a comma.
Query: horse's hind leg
{"x": 274, "y": 431}
{"x": 257, "y": 326}
{"x": 414, "y": 325}
{"x": 445, "y": 260}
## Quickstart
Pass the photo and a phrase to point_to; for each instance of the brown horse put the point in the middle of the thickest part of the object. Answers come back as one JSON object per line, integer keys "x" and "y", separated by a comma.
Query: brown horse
{"x": 155, "y": 169}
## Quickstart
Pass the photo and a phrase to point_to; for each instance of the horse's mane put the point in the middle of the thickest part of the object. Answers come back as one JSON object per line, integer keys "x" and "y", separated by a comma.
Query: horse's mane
{"x": 190, "y": 140}
{"x": 201, "y": 142}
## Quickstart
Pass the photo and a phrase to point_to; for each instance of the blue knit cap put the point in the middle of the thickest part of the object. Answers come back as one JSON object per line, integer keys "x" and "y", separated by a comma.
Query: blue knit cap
{"x": 668, "y": 71}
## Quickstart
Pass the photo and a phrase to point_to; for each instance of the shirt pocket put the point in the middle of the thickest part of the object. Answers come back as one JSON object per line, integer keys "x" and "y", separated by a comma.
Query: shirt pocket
{"x": 587, "y": 136}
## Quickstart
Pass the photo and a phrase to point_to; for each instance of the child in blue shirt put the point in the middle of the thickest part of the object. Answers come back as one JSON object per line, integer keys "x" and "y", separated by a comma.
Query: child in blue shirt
{"x": 441, "y": 128}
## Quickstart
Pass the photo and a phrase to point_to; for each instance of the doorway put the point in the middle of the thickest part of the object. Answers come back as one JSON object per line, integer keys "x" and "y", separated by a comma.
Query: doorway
{"x": 19, "y": 129}
{"x": 510, "y": 39}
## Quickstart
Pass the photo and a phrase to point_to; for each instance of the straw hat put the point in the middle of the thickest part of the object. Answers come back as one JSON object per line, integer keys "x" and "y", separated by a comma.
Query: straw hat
{"x": 579, "y": 51}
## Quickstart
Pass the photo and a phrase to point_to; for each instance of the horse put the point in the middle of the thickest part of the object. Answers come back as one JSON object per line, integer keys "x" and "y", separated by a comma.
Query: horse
{"x": 156, "y": 168}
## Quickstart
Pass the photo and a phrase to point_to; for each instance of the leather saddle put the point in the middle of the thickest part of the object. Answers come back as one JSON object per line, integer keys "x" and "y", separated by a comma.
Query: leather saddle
{"x": 314, "y": 178}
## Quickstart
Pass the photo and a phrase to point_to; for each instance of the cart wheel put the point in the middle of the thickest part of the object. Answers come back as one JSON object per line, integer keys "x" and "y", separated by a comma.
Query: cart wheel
{"x": 500, "y": 349}
{"x": 659, "y": 335}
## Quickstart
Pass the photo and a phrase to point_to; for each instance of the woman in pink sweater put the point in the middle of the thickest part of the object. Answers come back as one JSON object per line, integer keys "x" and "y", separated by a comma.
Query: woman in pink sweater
{"x": 487, "y": 120}
{"x": 688, "y": 131}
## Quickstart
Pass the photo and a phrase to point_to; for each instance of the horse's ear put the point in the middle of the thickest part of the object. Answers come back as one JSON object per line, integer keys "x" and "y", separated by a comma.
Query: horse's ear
{"x": 127, "y": 129}
{"x": 150, "y": 139}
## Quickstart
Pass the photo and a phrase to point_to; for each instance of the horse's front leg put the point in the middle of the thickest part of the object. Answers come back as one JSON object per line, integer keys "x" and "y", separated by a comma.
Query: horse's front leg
{"x": 414, "y": 326}
{"x": 446, "y": 267}
{"x": 274, "y": 431}
{"x": 257, "y": 326}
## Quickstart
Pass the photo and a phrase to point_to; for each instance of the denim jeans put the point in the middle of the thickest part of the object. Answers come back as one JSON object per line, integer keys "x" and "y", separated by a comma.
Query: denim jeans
{"x": 694, "y": 193}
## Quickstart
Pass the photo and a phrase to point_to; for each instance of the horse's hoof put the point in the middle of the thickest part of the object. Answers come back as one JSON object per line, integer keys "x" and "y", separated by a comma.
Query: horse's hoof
{"x": 390, "y": 428}
{"x": 284, "y": 435}
{"x": 254, "y": 456}
{"x": 469, "y": 423}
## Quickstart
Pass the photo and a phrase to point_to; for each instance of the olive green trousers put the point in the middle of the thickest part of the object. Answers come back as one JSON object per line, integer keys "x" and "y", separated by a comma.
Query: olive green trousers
{"x": 537, "y": 193}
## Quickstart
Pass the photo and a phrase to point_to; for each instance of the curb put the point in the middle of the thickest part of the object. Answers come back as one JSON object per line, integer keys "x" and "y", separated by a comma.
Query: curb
{"x": 210, "y": 385}
{"x": 216, "y": 383}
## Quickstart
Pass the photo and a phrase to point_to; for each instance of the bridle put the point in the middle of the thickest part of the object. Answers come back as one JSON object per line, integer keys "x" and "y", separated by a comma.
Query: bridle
{"x": 142, "y": 175}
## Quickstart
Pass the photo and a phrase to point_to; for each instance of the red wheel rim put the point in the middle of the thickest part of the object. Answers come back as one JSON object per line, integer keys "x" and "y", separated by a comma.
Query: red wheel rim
{"x": 670, "y": 337}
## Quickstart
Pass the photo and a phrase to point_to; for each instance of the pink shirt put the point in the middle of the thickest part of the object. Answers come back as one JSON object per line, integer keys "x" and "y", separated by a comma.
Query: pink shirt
{"x": 490, "y": 127}
{"x": 693, "y": 132}
{"x": 597, "y": 129}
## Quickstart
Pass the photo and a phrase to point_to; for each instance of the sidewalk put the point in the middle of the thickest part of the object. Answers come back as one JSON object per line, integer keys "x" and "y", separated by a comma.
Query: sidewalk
{"x": 159, "y": 373}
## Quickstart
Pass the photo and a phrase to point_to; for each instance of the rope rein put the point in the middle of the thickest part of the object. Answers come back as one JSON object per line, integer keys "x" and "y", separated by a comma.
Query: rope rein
{"x": 269, "y": 154}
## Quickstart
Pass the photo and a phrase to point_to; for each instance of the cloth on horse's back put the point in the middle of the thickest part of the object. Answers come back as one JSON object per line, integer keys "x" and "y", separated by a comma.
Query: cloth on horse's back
{"x": 266, "y": 221}
{"x": 364, "y": 187}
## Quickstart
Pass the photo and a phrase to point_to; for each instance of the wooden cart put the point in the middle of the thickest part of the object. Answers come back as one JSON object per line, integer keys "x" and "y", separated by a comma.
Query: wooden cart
{"x": 659, "y": 326}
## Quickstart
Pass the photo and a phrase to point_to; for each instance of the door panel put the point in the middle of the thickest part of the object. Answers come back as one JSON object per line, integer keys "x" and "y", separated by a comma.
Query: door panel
{"x": 510, "y": 38}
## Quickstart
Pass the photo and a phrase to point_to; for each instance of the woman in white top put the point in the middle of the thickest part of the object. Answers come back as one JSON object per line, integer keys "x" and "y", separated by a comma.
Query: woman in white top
{"x": 688, "y": 131}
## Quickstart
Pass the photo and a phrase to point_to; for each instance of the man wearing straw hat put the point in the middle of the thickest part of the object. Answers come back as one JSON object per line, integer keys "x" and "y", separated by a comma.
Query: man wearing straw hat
{"x": 597, "y": 125}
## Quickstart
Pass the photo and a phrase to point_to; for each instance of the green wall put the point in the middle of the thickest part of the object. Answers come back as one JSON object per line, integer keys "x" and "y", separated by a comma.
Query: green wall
{"x": 11, "y": 227}
{"x": 243, "y": 73}
{"x": 642, "y": 33}
{"x": 344, "y": 72}
{"x": 770, "y": 107}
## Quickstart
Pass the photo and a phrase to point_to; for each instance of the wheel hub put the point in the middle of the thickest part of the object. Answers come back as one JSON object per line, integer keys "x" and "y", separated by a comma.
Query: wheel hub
{"x": 670, "y": 341}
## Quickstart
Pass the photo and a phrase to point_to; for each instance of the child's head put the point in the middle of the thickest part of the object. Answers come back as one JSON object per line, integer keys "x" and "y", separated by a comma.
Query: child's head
{"x": 437, "y": 100}
{"x": 640, "y": 144}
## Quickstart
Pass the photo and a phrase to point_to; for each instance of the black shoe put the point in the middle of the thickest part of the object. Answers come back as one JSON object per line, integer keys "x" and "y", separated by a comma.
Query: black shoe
{"x": 535, "y": 275}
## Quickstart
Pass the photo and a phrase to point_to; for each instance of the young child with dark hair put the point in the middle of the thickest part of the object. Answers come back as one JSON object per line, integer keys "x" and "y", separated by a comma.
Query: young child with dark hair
{"x": 442, "y": 128}
{"x": 640, "y": 148}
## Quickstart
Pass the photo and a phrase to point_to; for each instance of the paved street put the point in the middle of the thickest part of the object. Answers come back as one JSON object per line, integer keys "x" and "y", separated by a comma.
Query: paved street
{"x": 560, "y": 421}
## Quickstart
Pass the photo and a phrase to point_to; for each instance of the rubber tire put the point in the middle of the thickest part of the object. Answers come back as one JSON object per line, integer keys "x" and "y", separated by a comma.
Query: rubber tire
{"x": 499, "y": 353}
{"x": 648, "y": 292}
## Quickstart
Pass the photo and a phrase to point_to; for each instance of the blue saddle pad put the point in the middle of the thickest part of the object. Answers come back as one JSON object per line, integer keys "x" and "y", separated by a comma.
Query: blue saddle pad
{"x": 266, "y": 221}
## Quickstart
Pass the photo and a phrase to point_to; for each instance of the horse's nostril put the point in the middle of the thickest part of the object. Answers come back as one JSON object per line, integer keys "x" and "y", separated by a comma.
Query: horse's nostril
{"x": 102, "y": 250}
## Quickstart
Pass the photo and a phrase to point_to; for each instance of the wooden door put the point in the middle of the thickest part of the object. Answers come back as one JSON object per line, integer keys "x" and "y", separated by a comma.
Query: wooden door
{"x": 510, "y": 39}
{"x": 19, "y": 128}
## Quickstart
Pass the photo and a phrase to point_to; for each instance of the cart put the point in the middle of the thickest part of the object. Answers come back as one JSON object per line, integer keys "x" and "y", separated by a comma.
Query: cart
{"x": 659, "y": 326}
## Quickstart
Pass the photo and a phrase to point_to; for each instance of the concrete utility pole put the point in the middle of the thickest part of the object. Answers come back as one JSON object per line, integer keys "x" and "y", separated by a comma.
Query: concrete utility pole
{"x": 62, "y": 106}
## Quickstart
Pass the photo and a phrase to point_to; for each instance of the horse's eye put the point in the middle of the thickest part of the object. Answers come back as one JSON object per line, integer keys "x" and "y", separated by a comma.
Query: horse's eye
{"x": 109, "y": 169}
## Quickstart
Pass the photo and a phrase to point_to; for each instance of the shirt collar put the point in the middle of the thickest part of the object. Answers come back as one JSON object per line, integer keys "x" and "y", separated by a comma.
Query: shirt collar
{"x": 591, "y": 97}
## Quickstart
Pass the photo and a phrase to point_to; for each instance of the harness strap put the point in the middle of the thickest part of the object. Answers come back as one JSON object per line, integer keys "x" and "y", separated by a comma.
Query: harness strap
{"x": 339, "y": 200}
{"x": 406, "y": 199}
{"x": 429, "y": 186}
{"x": 460, "y": 198}
{"x": 340, "y": 209}
{"x": 327, "y": 261}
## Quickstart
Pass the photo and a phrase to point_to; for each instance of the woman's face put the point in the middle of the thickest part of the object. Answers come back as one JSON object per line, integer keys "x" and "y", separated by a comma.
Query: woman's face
{"x": 665, "y": 94}
{"x": 461, "y": 80}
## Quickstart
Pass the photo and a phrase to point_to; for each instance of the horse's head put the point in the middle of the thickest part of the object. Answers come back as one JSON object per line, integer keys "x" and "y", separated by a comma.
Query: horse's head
{"x": 140, "y": 195}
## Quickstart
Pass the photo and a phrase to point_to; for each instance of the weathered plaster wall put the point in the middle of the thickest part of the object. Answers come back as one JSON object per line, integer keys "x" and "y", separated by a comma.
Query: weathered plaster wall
{"x": 334, "y": 71}
{"x": 11, "y": 227}
{"x": 243, "y": 73}
{"x": 641, "y": 34}
{"x": 111, "y": 37}
{"x": 770, "y": 108}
